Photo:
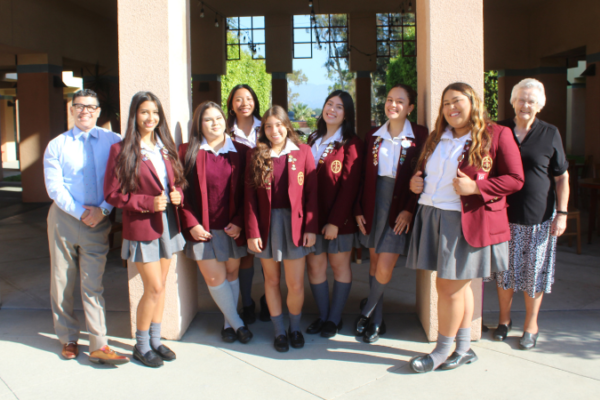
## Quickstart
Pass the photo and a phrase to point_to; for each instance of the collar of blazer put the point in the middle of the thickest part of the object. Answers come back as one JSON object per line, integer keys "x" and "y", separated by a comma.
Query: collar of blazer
{"x": 148, "y": 163}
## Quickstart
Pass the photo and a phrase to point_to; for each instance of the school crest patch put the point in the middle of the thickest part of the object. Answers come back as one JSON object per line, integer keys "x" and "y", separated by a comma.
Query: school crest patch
{"x": 336, "y": 167}
{"x": 300, "y": 178}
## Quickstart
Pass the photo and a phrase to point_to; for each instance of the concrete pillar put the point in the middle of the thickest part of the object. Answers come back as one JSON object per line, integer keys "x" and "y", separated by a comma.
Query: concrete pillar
{"x": 507, "y": 79}
{"x": 107, "y": 88}
{"x": 8, "y": 129}
{"x": 362, "y": 39}
{"x": 206, "y": 87}
{"x": 592, "y": 109}
{"x": 166, "y": 71}
{"x": 575, "y": 142}
{"x": 279, "y": 55}
{"x": 443, "y": 57}
{"x": 41, "y": 115}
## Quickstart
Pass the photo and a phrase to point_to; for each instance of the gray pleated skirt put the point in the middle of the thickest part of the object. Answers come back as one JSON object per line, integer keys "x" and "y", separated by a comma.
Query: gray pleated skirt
{"x": 438, "y": 244}
{"x": 341, "y": 244}
{"x": 165, "y": 246}
{"x": 221, "y": 246}
{"x": 279, "y": 244}
{"x": 382, "y": 238}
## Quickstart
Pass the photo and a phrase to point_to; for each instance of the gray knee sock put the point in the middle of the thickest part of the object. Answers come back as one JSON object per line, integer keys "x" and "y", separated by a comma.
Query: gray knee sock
{"x": 155, "y": 334}
{"x": 463, "y": 340}
{"x": 338, "y": 301}
{"x": 223, "y": 296}
{"x": 321, "y": 294}
{"x": 278, "y": 325}
{"x": 377, "y": 314}
{"x": 295, "y": 322}
{"x": 235, "y": 289}
{"x": 442, "y": 350}
{"x": 375, "y": 294}
{"x": 142, "y": 341}
{"x": 245, "y": 278}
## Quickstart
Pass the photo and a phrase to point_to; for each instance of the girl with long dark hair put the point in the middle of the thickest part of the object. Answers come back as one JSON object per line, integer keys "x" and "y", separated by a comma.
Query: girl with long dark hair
{"x": 385, "y": 206}
{"x": 281, "y": 217}
{"x": 466, "y": 169}
{"x": 337, "y": 153}
{"x": 147, "y": 185}
{"x": 243, "y": 124}
{"x": 213, "y": 216}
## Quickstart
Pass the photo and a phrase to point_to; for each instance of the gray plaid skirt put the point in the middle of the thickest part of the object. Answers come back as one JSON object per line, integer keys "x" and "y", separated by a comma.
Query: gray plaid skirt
{"x": 382, "y": 237}
{"x": 221, "y": 246}
{"x": 280, "y": 245}
{"x": 170, "y": 242}
{"x": 341, "y": 244}
{"x": 438, "y": 244}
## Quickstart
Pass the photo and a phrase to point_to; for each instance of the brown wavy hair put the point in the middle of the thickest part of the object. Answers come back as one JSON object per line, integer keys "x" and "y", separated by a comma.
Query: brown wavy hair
{"x": 127, "y": 168}
{"x": 479, "y": 125}
{"x": 261, "y": 165}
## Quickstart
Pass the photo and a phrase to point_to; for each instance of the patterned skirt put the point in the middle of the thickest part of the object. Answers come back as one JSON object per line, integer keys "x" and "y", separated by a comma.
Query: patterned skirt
{"x": 532, "y": 259}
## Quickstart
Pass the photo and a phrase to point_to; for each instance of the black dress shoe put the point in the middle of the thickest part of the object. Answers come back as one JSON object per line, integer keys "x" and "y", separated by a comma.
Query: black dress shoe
{"x": 296, "y": 339}
{"x": 422, "y": 364}
{"x": 281, "y": 343}
{"x": 244, "y": 335}
{"x": 456, "y": 360}
{"x": 228, "y": 335}
{"x": 373, "y": 331}
{"x": 265, "y": 315}
{"x": 164, "y": 352}
{"x": 330, "y": 329}
{"x": 501, "y": 331}
{"x": 248, "y": 315}
{"x": 528, "y": 341}
{"x": 315, "y": 327}
{"x": 361, "y": 325}
{"x": 150, "y": 359}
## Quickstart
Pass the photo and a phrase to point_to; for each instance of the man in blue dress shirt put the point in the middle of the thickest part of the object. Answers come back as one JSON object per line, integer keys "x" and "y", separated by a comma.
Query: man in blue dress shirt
{"x": 78, "y": 227}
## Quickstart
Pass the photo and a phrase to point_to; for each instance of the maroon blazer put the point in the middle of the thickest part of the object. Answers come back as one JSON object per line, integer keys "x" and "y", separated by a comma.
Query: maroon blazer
{"x": 302, "y": 189}
{"x": 403, "y": 198}
{"x": 338, "y": 180}
{"x": 196, "y": 207}
{"x": 140, "y": 221}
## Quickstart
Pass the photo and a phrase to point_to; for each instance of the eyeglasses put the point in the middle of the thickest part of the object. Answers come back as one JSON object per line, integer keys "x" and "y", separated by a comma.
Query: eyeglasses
{"x": 90, "y": 107}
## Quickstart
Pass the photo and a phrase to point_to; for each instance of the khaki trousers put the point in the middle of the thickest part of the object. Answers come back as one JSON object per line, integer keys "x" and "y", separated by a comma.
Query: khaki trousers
{"x": 75, "y": 245}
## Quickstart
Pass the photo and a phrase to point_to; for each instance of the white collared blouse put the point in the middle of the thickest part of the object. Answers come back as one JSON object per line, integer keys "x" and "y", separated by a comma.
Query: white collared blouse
{"x": 391, "y": 148}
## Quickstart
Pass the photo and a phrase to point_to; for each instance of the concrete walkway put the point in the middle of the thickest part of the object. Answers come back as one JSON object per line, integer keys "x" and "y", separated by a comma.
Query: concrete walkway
{"x": 564, "y": 365}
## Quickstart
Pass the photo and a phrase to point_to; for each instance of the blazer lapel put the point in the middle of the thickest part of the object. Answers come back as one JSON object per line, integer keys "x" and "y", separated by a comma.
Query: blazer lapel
{"x": 234, "y": 158}
{"x": 150, "y": 167}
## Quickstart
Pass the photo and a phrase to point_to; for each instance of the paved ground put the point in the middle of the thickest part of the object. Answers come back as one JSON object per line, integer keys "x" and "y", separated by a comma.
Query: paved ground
{"x": 565, "y": 365}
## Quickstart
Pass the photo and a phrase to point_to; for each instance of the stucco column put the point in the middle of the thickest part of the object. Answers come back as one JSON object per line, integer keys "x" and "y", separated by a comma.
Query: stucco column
{"x": 592, "y": 109}
{"x": 507, "y": 79}
{"x": 7, "y": 128}
{"x": 206, "y": 87}
{"x": 208, "y": 57}
{"x": 279, "y": 55}
{"x": 41, "y": 115}
{"x": 279, "y": 89}
{"x": 449, "y": 49}
{"x": 158, "y": 59}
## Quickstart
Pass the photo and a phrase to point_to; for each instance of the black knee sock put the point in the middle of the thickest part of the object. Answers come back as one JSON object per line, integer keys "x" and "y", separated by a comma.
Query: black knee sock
{"x": 245, "y": 277}
{"x": 338, "y": 301}
{"x": 375, "y": 294}
{"x": 321, "y": 294}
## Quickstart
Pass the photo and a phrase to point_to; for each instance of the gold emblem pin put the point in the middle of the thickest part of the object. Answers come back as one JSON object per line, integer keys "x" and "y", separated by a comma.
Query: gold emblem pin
{"x": 300, "y": 178}
{"x": 336, "y": 167}
{"x": 486, "y": 163}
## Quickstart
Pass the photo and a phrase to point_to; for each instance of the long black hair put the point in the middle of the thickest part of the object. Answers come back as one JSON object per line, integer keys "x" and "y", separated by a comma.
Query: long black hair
{"x": 231, "y": 114}
{"x": 130, "y": 158}
{"x": 196, "y": 135}
{"x": 348, "y": 125}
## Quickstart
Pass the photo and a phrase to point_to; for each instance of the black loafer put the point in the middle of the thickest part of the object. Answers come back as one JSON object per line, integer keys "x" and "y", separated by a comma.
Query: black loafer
{"x": 361, "y": 325}
{"x": 150, "y": 359}
{"x": 248, "y": 315}
{"x": 330, "y": 329}
{"x": 456, "y": 360}
{"x": 296, "y": 339}
{"x": 264, "y": 315}
{"x": 315, "y": 327}
{"x": 502, "y": 331}
{"x": 164, "y": 352}
{"x": 244, "y": 335}
{"x": 422, "y": 364}
{"x": 228, "y": 335}
{"x": 528, "y": 341}
{"x": 373, "y": 332}
{"x": 281, "y": 343}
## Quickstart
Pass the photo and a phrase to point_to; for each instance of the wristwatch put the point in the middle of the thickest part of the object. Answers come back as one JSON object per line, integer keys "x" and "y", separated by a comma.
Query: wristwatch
{"x": 105, "y": 212}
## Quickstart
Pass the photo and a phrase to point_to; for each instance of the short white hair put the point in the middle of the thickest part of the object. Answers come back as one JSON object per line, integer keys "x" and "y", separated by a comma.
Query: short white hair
{"x": 529, "y": 83}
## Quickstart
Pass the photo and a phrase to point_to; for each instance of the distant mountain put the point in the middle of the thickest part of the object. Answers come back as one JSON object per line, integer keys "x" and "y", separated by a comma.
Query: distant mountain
{"x": 311, "y": 94}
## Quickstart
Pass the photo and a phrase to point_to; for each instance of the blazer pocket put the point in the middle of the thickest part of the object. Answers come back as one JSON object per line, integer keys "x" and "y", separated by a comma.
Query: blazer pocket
{"x": 496, "y": 205}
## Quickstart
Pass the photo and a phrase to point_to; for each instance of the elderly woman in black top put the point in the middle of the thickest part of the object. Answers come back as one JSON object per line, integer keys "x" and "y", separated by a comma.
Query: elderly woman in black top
{"x": 537, "y": 214}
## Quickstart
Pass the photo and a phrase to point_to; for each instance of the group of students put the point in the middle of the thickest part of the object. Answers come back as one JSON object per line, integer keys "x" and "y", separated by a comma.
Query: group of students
{"x": 246, "y": 186}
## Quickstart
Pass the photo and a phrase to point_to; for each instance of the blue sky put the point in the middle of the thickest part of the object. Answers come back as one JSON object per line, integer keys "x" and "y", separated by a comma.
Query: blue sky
{"x": 315, "y": 90}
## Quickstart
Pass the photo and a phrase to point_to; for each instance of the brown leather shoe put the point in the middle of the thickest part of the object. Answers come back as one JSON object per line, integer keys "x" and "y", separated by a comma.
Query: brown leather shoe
{"x": 105, "y": 355}
{"x": 70, "y": 350}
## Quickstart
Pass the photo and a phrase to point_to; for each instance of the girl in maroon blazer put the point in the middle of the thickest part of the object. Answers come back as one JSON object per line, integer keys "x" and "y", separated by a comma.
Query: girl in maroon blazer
{"x": 147, "y": 185}
{"x": 467, "y": 168}
{"x": 281, "y": 217}
{"x": 337, "y": 153}
{"x": 385, "y": 206}
{"x": 212, "y": 217}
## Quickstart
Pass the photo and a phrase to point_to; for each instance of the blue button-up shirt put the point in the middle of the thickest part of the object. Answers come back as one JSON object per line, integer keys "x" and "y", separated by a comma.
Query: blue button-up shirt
{"x": 63, "y": 168}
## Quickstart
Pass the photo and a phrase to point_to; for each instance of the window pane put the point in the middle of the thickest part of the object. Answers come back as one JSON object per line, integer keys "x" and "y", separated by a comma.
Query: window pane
{"x": 259, "y": 36}
{"x": 232, "y": 23}
{"x": 301, "y": 35}
{"x": 302, "y": 51}
{"x": 410, "y": 32}
{"x": 301, "y": 21}
{"x": 259, "y": 22}
{"x": 245, "y": 22}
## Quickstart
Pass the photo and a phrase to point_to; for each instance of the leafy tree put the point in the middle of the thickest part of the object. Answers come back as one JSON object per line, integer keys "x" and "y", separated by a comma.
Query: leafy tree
{"x": 491, "y": 93}
{"x": 403, "y": 69}
{"x": 297, "y": 78}
{"x": 246, "y": 70}
{"x": 301, "y": 111}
